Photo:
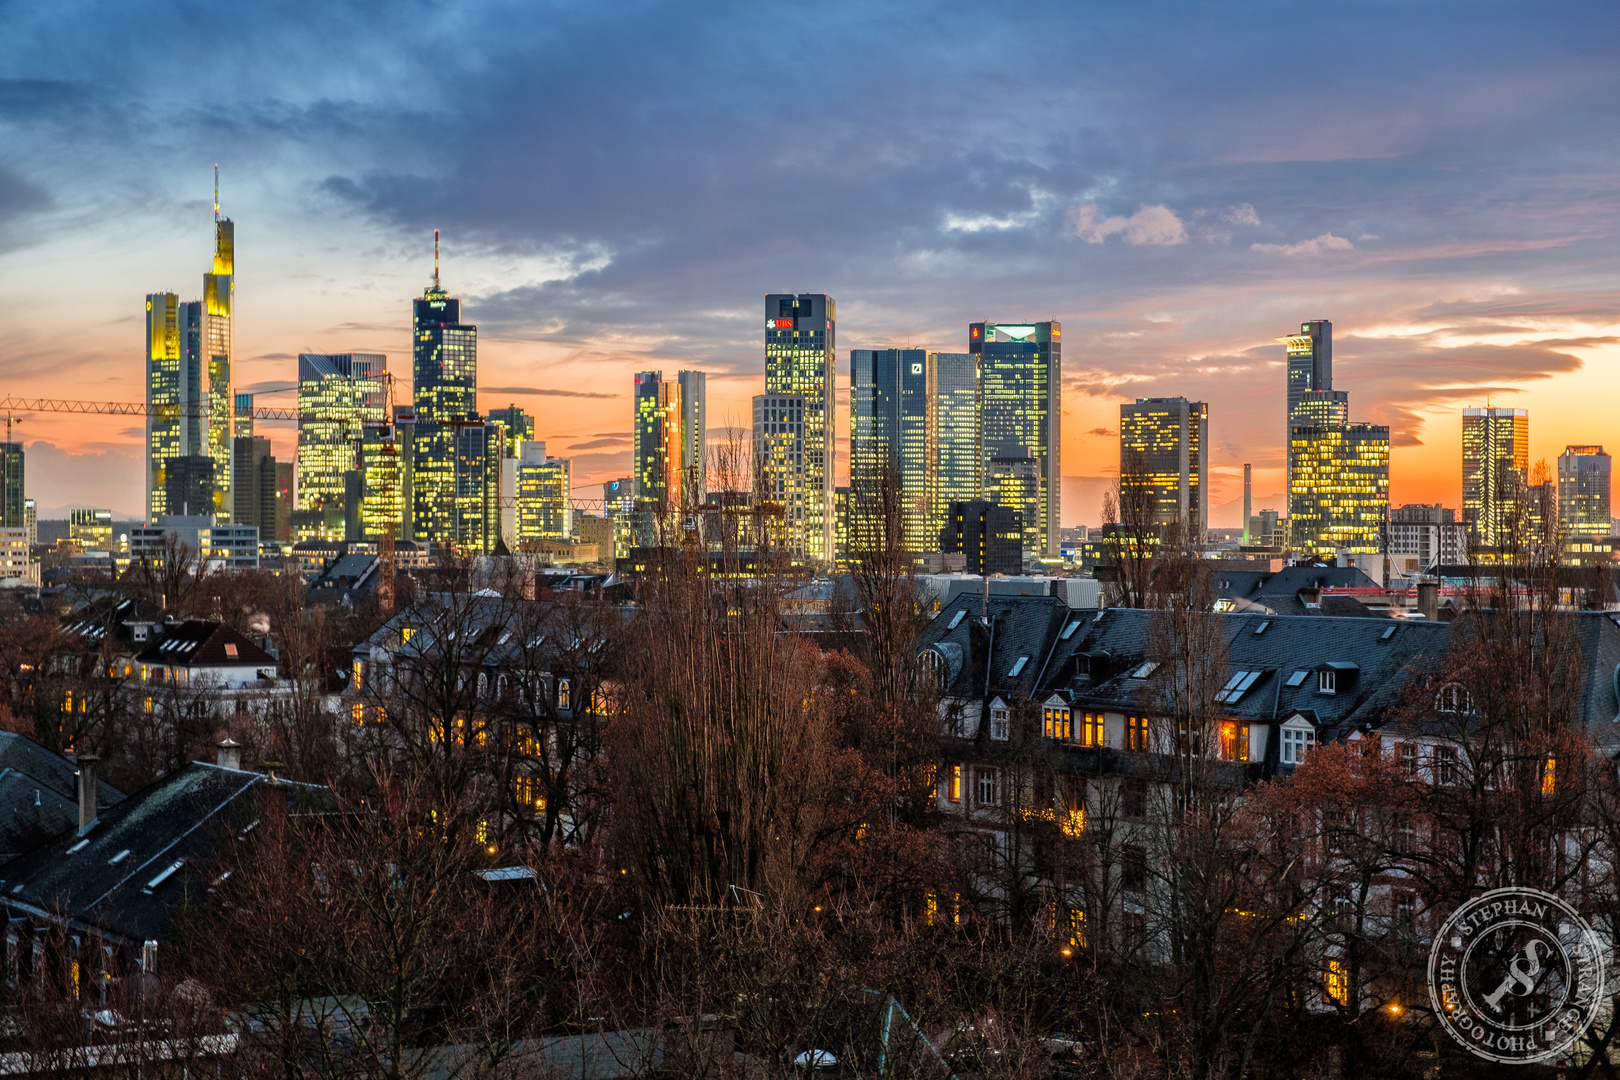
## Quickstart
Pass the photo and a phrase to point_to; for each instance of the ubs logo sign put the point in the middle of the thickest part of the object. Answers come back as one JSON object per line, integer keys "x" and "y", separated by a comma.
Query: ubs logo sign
{"x": 1516, "y": 975}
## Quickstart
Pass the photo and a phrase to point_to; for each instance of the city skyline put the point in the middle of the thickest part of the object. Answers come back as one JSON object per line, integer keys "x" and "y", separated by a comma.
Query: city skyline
{"x": 1463, "y": 251}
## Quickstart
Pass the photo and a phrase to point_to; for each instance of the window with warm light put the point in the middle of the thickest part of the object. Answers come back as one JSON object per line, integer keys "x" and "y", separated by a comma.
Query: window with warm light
{"x": 1136, "y": 734}
{"x": 1549, "y": 776}
{"x": 358, "y": 712}
{"x": 956, "y": 784}
{"x": 1091, "y": 729}
{"x": 1058, "y": 725}
{"x": 1336, "y": 984}
{"x": 1235, "y": 740}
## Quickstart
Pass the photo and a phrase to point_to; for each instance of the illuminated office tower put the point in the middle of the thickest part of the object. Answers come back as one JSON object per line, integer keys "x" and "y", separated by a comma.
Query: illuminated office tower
{"x": 92, "y": 528}
{"x": 543, "y": 508}
{"x": 1310, "y": 368}
{"x": 1496, "y": 467}
{"x": 1163, "y": 448}
{"x": 31, "y": 521}
{"x": 13, "y": 503}
{"x": 1322, "y": 408}
{"x": 243, "y": 417}
{"x": 1583, "y": 492}
{"x": 1021, "y": 387}
{"x": 801, "y": 359}
{"x": 781, "y": 478}
{"x": 656, "y": 450}
{"x": 337, "y": 395}
{"x": 1340, "y": 494}
{"x": 517, "y": 425}
{"x": 219, "y": 295}
{"x": 694, "y": 436}
{"x": 888, "y": 436}
{"x": 174, "y": 425}
{"x": 476, "y": 508}
{"x": 955, "y": 443}
{"x": 382, "y": 480}
{"x": 444, "y": 369}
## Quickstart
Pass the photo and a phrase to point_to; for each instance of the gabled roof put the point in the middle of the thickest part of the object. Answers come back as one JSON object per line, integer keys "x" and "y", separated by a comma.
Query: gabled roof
{"x": 199, "y": 643}
{"x": 23, "y": 755}
{"x": 127, "y": 875}
{"x": 110, "y": 617}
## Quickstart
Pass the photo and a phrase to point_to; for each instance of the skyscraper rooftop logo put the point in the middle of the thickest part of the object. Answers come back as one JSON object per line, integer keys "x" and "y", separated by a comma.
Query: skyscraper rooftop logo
{"x": 1516, "y": 975}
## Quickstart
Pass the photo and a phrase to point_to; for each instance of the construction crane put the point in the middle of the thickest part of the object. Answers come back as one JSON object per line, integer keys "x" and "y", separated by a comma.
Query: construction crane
{"x": 128, "y": 408}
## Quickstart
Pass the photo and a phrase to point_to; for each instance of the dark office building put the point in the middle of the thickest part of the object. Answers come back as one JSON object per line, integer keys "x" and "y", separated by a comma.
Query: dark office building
{"x": 13, "y": 509}
{"x": 253, "y": 486}
{"x": 188, "y": 485}
{"x": 1021, "y": 395}
{"x": 991, "y": 536}
{"x": 518, "y": 426}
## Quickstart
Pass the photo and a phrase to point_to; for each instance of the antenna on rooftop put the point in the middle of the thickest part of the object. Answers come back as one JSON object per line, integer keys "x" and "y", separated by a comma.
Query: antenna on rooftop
{"x": 216, "y": 191}
{"x": 435, "y": 258}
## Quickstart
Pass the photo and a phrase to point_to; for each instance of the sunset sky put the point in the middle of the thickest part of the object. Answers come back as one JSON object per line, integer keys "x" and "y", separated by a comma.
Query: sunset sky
{"x": 620, "y": 184}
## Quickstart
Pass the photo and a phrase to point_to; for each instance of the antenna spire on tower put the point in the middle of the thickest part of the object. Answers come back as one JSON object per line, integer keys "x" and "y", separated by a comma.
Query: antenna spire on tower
{"x": 435, "y": 258}
{"x": 216, "y": 191}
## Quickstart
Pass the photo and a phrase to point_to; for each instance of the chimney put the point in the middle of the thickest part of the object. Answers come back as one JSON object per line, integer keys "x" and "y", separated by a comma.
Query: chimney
{"x": 87, "y": 790}
{"x": 230, "y": 754}
{"x": 984, "y": 599}
{"x": 1429, "y": 599}
{"x": 1247, "y": 508}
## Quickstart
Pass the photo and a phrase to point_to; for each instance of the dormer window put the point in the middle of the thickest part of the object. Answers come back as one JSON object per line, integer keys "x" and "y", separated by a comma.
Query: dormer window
{"x": 1056, "y": 722}
{"x": 1000, "y": 720}
{"x": 1327, "y": 681}
{"x": 1296, "y": 740}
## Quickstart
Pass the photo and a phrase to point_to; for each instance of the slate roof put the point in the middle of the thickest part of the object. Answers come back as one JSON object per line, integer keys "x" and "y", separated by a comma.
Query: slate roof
{"x": 97, "y": 621}
{"x": 1256, "y": 585}
{"x": 199, "y": 642}
{"x": 39, "y": 794}
{"x": 23, "y": 755}
{"x": 128, "y": 874}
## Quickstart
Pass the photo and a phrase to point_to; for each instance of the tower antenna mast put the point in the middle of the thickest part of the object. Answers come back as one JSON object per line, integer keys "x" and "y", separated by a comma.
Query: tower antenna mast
{"x": 216, "y": 191}
{"x": 435, "y": 258}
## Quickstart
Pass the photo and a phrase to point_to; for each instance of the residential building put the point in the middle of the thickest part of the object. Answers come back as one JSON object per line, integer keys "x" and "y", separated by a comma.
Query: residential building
{"x": 189, "y": 486}
{"x": 204, "y": 540}
{"x": 1309, "y": 368}
{"x": 1339, "y": 500}
{"x": 338, "y": 394}
{"x": 92, "y": 528}
{"x": 1583, "y": 492}
{"x": 656, "y": 449}
{"x": 542, "y": 509}
{"x": 801, "y": 361}
{"x": 39, "y": 794}
{"x": 991, "y": 537}
{"x": 1496, "y": 471}
{"x": 694, "y": 459}
{"x": 444, "y": 368}
{"x": 888, "y": 438}
{"x": 1164, "y": 450}
{"x": 1021, "y": 416}
{"x": 219, "y": 299}
{"x": 1425, "y": 536}
{"x": 174, "y": 391}
{"x": 13, "y": 500}
{"x": 781, "y": 478}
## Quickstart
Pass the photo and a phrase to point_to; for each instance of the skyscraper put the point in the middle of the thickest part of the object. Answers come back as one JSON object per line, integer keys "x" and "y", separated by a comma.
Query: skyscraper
{"x": 781, "y": 477}
{"x": 476, "y": 510}
{"x": 1310, "y": 367}
{"x": 1496, "y": 468}
{"x": 1583, "y": 492}
{"x": 694, "y": 436}
{"x": 382, "y": 477}
{"x": 955, "y": 443}
{"x": 888, "y": 436}
{"x": 518, "y": 426}
{"x": 174, "y": 390}
{"x": 1340, "y": 488}
{"x": 801, "y": 359}
{"x": 189, "y": 486}
{"x": 1164, "y": 449}
{"x": 337, "y": 395}
{"x": 13, "y": 503}
{"x": 1021, "y": 381}
{"x": 444, "y": 369}
{"x": 656, "y": 449}
{"x": 253, "y": 488}
{"x": 543, "y": 510}
{"x": 219, "y": 294}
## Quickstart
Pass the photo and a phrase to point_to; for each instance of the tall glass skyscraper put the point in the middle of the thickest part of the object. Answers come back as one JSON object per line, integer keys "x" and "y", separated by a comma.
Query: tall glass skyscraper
{"x": 1310, "y": 368}
{"x": 955, "y": 443}
{"x": 1341, "y": 488}
{"x": 13, "y": 503}
{"x": 219, "y": 296}
{"x": 1021, "y": 381}
{"x": 801, "y": 359}
{"x": 780, "y": 473}
{"x": 518, "y": 425}
{"x": 694, "y": 435}
{"x": 337, "y": 395}
{"x": 656, "y": 446}
{"x": 1164, "y": 447}
{"x": 1583, "y": 492}
{"x": 174, "y": 425}
{"x": 1496, "y": 471}
{"x": 888, "y": 430}
{"x": 444, "y": 370}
